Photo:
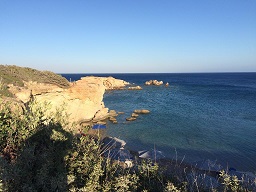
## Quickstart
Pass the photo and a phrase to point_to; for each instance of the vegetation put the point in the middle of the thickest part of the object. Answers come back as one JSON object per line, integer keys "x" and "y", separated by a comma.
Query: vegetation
{"x": 40, "y": 153}
{"x": 11, "y": 74}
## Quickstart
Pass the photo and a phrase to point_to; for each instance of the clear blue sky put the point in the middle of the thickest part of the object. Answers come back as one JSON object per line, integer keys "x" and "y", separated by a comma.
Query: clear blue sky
{"x": 103, "y": 36}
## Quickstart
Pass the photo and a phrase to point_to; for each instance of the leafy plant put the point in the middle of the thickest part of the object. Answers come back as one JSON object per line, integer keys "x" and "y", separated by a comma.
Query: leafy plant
{"x": 231, "y": 183}
{"x": 39, "y": 152}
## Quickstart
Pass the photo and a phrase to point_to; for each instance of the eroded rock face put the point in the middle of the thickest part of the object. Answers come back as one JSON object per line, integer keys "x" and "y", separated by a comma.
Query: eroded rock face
{"x": 83, "y": 101}
{"x": 111, "y": 83}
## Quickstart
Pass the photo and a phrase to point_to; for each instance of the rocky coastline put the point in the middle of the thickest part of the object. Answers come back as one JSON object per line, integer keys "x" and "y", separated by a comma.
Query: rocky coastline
{"x": 83, "y": 100}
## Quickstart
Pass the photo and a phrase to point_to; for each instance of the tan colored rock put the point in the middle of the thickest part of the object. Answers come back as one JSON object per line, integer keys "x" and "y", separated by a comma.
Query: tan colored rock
{"x": 111, "y": 83}
{"x": 23, "y": 93}
{"x": 154, "y": 82}
{"x": 141, "y": 111}
{"x": 134, "y": 115}
{"x": 102, "y": 122}
{"x": 130, "y": 119}
{"x": 135, "y": 88}
{"x": 149, "y": 82}
{"x": 83, "y": 101}
{"x": 112, "y": 119}
{"x": 112, "y": 113}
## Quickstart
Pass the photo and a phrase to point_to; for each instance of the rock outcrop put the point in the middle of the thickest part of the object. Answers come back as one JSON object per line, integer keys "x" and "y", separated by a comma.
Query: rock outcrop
{"x": 130, "y": 119}
{"x": 134, "y": 115}
{"x": 141, "y": 111}
{"x": 135, "y": 88}
{"x": 111, "y": 83}
{"x": 83, "y": 101}
{"x": 112, "y": 116}
{"x": 154, "y": 82}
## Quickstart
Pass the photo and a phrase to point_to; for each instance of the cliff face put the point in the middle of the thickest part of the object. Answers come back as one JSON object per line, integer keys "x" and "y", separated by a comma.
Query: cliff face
{"x": 83, "y": 100}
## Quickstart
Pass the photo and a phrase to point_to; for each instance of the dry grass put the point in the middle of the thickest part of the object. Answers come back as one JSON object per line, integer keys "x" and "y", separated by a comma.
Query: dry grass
{"x": 11, "y": 74}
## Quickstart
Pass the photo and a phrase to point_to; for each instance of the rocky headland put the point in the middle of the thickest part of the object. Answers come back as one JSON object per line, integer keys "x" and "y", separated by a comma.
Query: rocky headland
{"x": 82, "y": 99}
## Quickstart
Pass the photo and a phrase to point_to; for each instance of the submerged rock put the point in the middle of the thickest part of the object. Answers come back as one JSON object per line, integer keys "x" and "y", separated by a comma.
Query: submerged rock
{"x": 135, "y": 88}
{"x": 130, "y": 119}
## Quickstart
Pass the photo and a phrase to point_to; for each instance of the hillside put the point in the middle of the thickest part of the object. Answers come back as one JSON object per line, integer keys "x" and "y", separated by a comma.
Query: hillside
{"x": 11, "y": 74}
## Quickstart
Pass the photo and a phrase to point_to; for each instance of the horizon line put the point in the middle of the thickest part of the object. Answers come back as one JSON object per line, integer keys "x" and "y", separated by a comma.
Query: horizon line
{"x": 151, "y": 72}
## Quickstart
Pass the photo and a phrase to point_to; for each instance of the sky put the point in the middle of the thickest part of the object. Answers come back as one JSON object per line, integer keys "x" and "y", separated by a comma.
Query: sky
{"x": 129, "y": 36}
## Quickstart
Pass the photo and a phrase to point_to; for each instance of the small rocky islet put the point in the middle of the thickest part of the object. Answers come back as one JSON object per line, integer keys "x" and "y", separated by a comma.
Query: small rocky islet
{"x": 156, "y": 83}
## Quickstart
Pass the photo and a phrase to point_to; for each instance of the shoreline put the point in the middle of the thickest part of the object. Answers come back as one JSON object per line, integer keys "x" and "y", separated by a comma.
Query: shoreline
{"x": 47, "y": 93}
{"x": 189, "y": 163}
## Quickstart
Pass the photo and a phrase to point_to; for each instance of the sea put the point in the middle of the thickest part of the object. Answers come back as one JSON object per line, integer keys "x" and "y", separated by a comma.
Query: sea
{"x": 198, "y": 117}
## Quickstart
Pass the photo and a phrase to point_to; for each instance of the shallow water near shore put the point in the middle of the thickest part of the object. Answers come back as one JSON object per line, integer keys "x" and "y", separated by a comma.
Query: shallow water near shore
{"x": 197, "y": 117}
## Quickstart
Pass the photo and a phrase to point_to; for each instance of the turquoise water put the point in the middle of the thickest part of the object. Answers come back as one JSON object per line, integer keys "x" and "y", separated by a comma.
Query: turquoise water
{"x": 198, "y": 117}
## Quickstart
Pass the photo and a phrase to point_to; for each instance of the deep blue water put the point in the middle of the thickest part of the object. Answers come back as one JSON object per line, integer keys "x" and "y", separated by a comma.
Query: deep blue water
{"x": 199, "y": 116}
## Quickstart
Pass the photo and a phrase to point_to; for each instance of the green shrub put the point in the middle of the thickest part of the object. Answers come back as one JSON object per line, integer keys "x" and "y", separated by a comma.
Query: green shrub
{"x": 39, "y": 153}
{"x": 32, "y": 149}
{"x": 231, "y": 183}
